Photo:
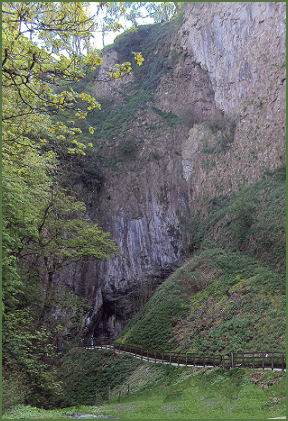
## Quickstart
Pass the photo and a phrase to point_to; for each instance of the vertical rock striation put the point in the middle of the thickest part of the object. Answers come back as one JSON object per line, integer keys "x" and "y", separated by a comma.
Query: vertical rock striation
{"x": 227, "y": 87}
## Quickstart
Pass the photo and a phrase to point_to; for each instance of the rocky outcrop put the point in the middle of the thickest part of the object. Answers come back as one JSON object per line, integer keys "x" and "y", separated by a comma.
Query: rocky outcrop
{"x": 227, "y": 86}
{"x": 240, "y": 45}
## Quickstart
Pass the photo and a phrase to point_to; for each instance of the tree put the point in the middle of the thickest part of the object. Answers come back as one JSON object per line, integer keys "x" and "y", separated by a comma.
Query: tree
{"x": 55, "y": 53}
{"x": 158, "y": 11}
{"x": 108, "y": 19}
{"x": 65, "y": 236}
{"x": 161, "y": 11}
{"x": 45, "y": 49}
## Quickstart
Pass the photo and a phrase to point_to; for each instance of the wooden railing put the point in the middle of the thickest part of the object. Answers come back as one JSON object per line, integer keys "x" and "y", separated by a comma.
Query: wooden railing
{"x": 257, "y": 359}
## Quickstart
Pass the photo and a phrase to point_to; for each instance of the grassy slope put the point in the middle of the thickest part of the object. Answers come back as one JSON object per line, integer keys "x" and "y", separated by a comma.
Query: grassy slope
{"x": 204, "y": 393}
{"x": 227, "y": 299}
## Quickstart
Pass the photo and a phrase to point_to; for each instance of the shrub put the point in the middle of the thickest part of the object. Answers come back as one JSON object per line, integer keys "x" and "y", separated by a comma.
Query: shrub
{"x": 14, "y": 390}
{"x": 170, "y": 118}
{"x": 147, "y": 39}
{"x": 224, "y": 130}
{"x": 87, "y": 375}
{"x": 252, "y": 221}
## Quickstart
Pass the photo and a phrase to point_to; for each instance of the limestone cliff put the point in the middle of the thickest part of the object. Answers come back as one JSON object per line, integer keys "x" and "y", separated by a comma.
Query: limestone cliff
{"x": 216, "y": 121}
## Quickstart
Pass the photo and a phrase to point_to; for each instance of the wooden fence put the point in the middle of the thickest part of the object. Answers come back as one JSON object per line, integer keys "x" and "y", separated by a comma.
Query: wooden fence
{"x": 257, "y": 359}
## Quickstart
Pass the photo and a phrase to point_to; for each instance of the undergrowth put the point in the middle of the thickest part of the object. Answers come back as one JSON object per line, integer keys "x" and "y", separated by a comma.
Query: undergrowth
{"x": 251, "y": 221}
{"x": 144, "y": 39}
{"x": 160, "y": 392}
{"x": 86, "y": 376}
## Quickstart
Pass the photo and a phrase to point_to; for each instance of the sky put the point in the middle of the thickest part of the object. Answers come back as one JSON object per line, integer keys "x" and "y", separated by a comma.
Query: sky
{"x": 110, "y": 36}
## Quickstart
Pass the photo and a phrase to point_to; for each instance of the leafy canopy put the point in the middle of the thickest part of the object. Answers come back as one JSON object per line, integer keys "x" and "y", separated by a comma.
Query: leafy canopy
{"x": 45, "y": 48}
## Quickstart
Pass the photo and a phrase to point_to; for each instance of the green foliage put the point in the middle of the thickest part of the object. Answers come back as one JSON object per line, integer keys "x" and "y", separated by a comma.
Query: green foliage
{"x": 87, "y": 376}
{"x": 197, "y": 394}
{"x": 28, "y": 350}
{"x": 223, "y": 129}
{"x": 152, "y": 326}
{"x": 161, "y": 11}
{"x": 49, "y": 227}
{"x": 218, "y": 301}
{"x": 14, "y": 390}
{"x": 66, "y": 236}
{"x": 243, "y": 212}
{"x": 144, "y": 39}
{"x": 112, "y": 121}
{"x": 32, "y": 67}
{"x": 170, "y": 118}
{"x": 251, "y": 221}
{"x": 30, "y": 70}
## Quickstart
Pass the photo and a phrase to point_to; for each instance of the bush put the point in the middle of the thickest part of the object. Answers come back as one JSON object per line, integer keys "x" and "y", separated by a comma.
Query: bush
{"x": 191, "y": 116}
{"x": 14, "y": 390}
{"x": 87, "y": 375}
{"x": 170, "y": 118}
{"x": 252, "y": 221}
{"x": 129, "y": 146}
{"x": 224, "y": 130}
{"x": 147, "y": 39}
{"x": 243, "y": 216}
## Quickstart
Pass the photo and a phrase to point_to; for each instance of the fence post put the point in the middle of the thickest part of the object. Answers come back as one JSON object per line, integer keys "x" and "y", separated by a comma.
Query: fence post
{"x": 119, "y": 396}
{"x": 148, "y": 356}
{"x": 186, "y": 359}
{"x": 272, "y": 361}
{"x": 232, "y": 359}
{"x": 155, "y": 356}
{"x": 128, "y": 389}
{"x": 263, "y": 361}
{"x": 178, "y": 359}
{"x": 282, "y": 362}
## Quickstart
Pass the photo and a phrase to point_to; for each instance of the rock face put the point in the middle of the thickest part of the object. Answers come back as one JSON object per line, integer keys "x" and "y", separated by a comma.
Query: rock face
{"x": 227, "y": 85}
{"x": 240, "y": 45}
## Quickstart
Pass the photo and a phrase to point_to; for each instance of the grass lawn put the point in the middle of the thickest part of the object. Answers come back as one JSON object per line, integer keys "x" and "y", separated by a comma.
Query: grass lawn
{"x": 191, "y": 394}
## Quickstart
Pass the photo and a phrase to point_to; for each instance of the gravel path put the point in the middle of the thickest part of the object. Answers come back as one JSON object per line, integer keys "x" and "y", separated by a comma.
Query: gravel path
{"x": 157, "y": 361}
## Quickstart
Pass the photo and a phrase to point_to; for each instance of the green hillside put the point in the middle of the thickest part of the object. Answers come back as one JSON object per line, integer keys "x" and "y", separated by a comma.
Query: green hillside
{"x": 230, "y": 298}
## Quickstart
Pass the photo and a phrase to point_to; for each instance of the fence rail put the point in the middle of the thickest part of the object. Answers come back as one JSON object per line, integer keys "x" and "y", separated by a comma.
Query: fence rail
{"x": 257, "y": 359}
